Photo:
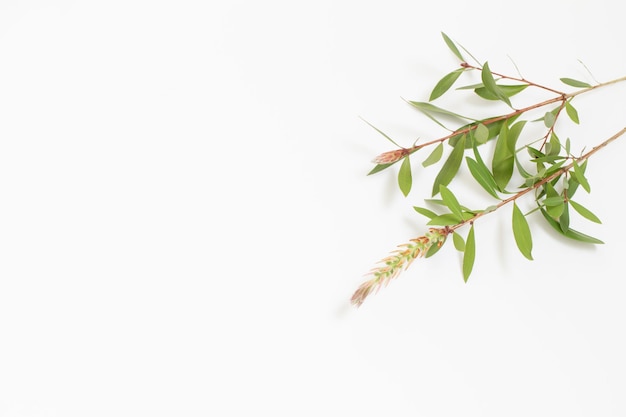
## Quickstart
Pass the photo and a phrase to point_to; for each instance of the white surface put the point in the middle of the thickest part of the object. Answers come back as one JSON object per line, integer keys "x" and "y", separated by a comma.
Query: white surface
{"x": 185, "y": 214}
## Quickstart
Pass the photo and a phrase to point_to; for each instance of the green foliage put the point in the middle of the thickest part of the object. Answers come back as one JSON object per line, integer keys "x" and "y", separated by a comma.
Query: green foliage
{"x": 434, "y": 156}
{"x": 445, "y": 83}
{"x": 571, "y": 112}
{"x": 405, "y": 178}
{"x": 459, "y": 242}
{"x": 450, "y": 167}
{"x": 575, "y": 83}
{"x": 469, "y": 255}
{"x": 490, "y": 85}
{"x": 521, "y": 232}
{"x": 549, "y": 170}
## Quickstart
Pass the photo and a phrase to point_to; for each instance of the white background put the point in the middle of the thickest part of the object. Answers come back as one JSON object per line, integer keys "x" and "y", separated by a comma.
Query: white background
{"x": 184, "y": 214}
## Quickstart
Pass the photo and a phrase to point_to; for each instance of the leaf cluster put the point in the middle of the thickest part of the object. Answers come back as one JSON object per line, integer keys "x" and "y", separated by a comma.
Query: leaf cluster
{"x": 519, "y": 163}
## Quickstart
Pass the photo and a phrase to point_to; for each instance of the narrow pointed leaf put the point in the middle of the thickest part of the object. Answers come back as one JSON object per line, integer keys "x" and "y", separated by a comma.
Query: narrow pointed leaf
{"x": 549, "y": 118}
{"x": 469, "y": 254}
{"x": 482, "y": 175}
{"x": 471, "y": 86}
{"x": 447, "y": 219}
{"x": 571, "y": 112}
{"x": 554, "y": 202}
{"x": 459, "y": 242}
{"x": 451, "y": 201}
{"x": 405, "y": 178}
{"x": 521, "y": 232}
{"x": 491, "y": 86}
{"x": 513, "y": 134}
{"x": 429, "y": 109}
{"x": 573, "y": 181}
{"x": 564, "y": 219}
{"x": 434, "y": 156}
{"x": 555, "y": 211}
{"x": 507, "y": 90}
{"x": 445, "y": 83}
{"x": 575, "y": 83}
{"x": 425, "y": 212}
{"x": 553, "y": 148}
{"x": 382, "y": 133}
{"x": 379, "y": 168}
{"x": 481, "y": 133}
{"x": 450, "y": 167}
{"x": 587, "y": 214}
{"x": 452, "y": 46}
{"x": 525, "y": 174}
{"x": 571, "y": 233}
{"x": 503, "y": 160}
{"x": 580, "y": 177}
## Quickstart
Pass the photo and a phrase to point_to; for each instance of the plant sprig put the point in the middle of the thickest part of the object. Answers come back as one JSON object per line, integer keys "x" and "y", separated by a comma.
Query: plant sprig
{"x": 546, "y": 165}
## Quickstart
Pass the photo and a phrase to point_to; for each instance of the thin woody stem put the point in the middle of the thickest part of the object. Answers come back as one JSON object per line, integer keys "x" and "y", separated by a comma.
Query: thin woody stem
{"x": 540, "y": 183}
{"x": 523, "y": 80}
{"x": 488, "y": 122}
{"x": 593, "y": 87}
{"x": 561, "y": 98}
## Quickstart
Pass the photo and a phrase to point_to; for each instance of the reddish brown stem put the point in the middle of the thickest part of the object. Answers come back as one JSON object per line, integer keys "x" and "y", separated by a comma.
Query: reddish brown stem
{"x": 540, "y": 183}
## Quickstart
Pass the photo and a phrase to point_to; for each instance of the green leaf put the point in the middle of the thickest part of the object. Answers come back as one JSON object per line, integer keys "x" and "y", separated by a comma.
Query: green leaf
{"x": 548, "y": 159}
{"x": 549, "y": 118}
{"x": 570, "y": 233}
{"x": 554, "y": 202}
{"x": 381, "y": 132}
{"x": 513, "y": 134}
{"x": 564, "y": 219}
{"x": 482, "y": 175}
{"x": 379, "y": 168}
{"x": 521, "y": 232}
{"x": 445, "y": 83}
{"x": 450, "y": 167}
{"x": 452, "y": 46}
{"x": 575, "y": 83}
{"x": 580, "y": 176}
{"x": 573, "y": 181}
{"x": 553, "y": 147}
{"x": 554, "y": 168}
{"x": 405, "y": 178}
{"x": 507, "y": 90}
{"x": 503, "y": 160}
{"x": 470, "y": 254}
{"x": 525, "y": 174}
{"x": 587, "y": 214}
{"x": 428, "y": 109}
{"x": 494, "y": 130}
{"x": 571, "y": 112}
{"x": 434, "y": 156}
{"x": 535, "y": 153}
{"x": 481, "y": 133}
{"x": 447, "y": 219}
{"x": 556, "y": 210}
{"x": 458, "y": 241}
{"x": 471, "y": 86}
{"x": 491, "y": 86}
{"x": 425, "y": 212}
{"x": 451, "y": 201}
